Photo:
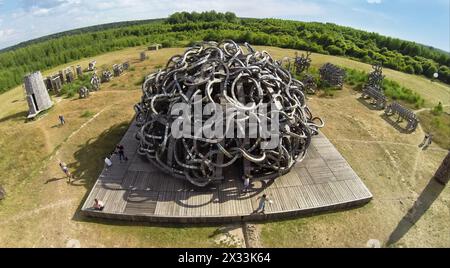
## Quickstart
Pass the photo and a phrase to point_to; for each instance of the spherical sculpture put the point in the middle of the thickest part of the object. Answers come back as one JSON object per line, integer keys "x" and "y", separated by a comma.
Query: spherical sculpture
{"x": 219, "y": 108}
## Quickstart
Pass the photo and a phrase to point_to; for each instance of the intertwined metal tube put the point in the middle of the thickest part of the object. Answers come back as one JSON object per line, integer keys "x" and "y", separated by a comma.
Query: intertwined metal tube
{"x": 226, "y": 75}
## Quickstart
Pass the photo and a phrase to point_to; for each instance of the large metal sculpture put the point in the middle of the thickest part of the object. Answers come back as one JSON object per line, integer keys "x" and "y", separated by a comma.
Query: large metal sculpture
{"x": 302, "y": 63}
{"x": 242, "y": 80}
{"x": 373, "y": 88}
{"x": 377, "y": 96}
{"x": 403, "y": 114}
{"x": 95, "y": 82}
{"x": 332, "y": 74}
{"x": 309, "y": 83}
{"x": 106, "y": 76}
{"x": 376, "y": 77}
{"x": 83, "y": 92}
{"x": 117, "y": 69}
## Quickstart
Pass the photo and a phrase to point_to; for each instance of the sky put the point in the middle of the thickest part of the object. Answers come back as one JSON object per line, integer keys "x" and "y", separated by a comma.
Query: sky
{"x": 422, "y": 21}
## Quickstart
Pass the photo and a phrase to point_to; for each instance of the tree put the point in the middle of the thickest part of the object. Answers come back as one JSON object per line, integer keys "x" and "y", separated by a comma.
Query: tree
{"x": 431, "y": 71}
{"x": 409, "y": 69}
{"x": 334, "y": 50}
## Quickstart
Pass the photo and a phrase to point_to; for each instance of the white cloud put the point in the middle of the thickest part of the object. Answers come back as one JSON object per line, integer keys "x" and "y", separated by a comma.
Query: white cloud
{"x": 36, "y": 11}
{"x": 6, "y": 33}
{"x": 374, "y": 1}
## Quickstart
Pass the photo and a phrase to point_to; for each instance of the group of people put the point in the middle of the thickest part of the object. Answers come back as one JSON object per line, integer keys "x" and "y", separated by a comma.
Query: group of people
{"x": 120, "y": 150}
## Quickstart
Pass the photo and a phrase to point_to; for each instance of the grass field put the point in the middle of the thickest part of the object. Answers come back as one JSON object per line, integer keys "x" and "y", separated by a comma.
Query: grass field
{"x": 42, "y": 210}
{"x": 432, "y": 92}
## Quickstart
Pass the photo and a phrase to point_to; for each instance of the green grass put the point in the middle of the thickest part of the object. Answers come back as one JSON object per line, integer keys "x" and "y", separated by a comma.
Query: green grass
{"x": 392, "y": 89}
{"x": 71, "y": 89}
{"x": 438, "y": 125}
{"x": 432, "y": 92}
{"x": 140, "y": 81}
{"x": 87, "y": 114}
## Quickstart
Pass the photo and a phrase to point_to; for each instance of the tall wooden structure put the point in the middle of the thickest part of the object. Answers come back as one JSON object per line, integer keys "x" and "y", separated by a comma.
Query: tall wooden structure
{"x": 443, "y": 173}
{"x": 37, "y": 94}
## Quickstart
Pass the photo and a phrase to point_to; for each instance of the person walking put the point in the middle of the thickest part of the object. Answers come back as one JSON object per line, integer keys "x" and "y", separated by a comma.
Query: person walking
{"x": 66, "y": 171}
{"x": 62, "y": 121}
{"x": 262, "y": 203}
{"x": 108, "y": 162}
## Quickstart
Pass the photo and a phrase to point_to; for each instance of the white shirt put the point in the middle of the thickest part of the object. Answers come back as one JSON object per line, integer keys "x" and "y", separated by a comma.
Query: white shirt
{"x": 108, "y": 162}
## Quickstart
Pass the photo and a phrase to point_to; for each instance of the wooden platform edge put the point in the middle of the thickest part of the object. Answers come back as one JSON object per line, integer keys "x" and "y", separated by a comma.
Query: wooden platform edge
{"x": 229, "y": 219}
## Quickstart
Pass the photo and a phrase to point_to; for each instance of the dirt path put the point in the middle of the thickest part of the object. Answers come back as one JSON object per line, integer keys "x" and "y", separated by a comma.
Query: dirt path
{"x": 56, "y": 153}
{"x": 429, "y": 109}
{"x": 58, "y": 203}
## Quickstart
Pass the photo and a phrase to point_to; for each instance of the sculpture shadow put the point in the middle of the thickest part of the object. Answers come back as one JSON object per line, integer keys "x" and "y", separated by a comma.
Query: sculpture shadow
{"x": 180, "y": 191}
{"x": 395, "y": 124}
{"x": 89, "y": 158}
{"x": 366, "y": 102}
{"x": 19, "y": 116}
{"x": 422, "y": 204}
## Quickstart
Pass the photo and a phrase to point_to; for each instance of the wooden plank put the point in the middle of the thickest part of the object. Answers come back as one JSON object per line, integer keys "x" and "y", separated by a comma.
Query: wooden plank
{"x": 137, "y": 188}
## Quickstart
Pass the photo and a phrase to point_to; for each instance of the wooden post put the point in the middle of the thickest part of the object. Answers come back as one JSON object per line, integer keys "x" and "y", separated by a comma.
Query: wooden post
{"x": 443, "y": 173}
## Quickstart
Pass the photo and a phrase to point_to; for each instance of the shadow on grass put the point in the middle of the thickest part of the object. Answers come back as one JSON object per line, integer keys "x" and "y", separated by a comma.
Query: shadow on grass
{"x": 368, "y": 104}
{"x": 54, "y": 179}
{"x": 90, "y": 158}
{"x": 396, "y": 124}
{"x": 424, "y": 201}
{"x": 422, "y": 204}
{"x": 20, "y": 116}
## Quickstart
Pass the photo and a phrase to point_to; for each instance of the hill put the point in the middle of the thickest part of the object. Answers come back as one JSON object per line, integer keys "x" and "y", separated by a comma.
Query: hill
{"x": 183, "y": 28}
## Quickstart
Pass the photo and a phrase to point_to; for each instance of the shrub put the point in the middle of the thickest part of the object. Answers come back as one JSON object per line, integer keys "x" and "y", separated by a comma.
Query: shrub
{"x": 334, "y": 50}
{"x": 438, "y": 109}
{"x": 87, "y": 114}
{"x": 409, "y": 69}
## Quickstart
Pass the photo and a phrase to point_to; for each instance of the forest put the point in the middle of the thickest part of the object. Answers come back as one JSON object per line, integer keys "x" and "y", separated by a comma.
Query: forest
{"x": 183, "y": 28}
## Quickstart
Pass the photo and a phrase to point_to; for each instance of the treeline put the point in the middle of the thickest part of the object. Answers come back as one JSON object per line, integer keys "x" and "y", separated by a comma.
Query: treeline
{"x": 208, "y": 16}
{"x": 94, "y": 28}
{"x": 183, "y": 28}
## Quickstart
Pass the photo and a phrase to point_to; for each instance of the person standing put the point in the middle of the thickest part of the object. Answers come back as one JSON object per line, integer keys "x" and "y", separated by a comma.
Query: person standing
{"x": 121, "y": 152}
{"x": 246, "y": 184}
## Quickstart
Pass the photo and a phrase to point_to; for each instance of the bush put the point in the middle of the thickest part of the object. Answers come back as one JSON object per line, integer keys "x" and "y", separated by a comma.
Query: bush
{"x": 409, "y": 69}
{"x": 431, "y": 71}
{"x": 394, "y": 91}
{"x": 71, "y": 89}
{"x": 87, "y": 114}
{"x": 438, "y": 109}
{"x": 334, "y": 50}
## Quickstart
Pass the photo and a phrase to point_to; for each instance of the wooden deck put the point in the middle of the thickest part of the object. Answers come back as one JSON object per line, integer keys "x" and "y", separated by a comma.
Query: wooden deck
{"x": 137, "y": 191}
